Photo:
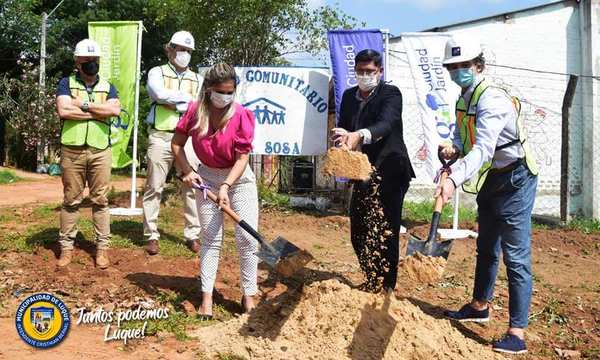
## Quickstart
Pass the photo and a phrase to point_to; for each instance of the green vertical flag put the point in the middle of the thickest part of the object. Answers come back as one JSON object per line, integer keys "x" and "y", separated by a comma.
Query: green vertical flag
{"x": 120, "y": 65}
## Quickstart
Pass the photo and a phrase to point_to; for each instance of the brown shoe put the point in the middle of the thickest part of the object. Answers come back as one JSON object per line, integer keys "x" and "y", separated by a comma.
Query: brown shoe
{"x": 152, "y": 247}
{"x": 193, "y": 246}
{"x": 65, "y": 258}
{"x": 102, "y": 258}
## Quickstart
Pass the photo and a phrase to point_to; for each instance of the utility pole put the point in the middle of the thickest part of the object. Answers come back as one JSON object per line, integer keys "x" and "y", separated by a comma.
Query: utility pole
{"x": 43, "y": 52}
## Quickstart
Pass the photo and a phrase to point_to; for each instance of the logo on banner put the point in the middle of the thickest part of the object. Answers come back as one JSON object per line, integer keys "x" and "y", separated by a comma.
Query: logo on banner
{"x": 267, "y": 112}
{"x": 42, "y": 320}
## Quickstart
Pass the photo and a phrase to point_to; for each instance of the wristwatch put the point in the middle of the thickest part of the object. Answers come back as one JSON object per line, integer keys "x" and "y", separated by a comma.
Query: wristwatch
{"x": 85, "y": 106}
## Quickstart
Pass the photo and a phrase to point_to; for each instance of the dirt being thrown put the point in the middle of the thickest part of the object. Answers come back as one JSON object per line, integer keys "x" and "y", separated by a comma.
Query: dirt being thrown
{"x": 422, "y": 268}
{"x": 348, "y": 164}
{"x": 329, "y": 320}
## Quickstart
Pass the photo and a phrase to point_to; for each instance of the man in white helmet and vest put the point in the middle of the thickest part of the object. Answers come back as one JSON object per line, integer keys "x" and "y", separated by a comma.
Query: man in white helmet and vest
{"x": 86, "y": 103}
{"x": 171, "y": 87}
{"x": 497, "y": 165}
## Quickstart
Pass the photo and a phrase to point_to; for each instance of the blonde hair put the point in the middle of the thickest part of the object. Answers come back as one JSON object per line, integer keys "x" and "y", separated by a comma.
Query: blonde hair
{"x": 217, "y": 74}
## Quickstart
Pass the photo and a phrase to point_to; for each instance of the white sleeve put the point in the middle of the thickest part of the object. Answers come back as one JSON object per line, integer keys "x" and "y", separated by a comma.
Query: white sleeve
{"x": 493, "y": 112}
{"x": 366, "y": 134}
{"x": 162, "y": 95}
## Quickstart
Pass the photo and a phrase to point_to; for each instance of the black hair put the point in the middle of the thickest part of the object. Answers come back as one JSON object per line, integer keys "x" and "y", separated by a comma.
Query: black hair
{"x": 368, "y": 55}
{"x": 479, "y": 60}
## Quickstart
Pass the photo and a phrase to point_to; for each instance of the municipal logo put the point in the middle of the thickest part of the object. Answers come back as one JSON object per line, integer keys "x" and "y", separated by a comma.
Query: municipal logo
{"x": 456, "y": 51}
{"x": 42, "y": 320}
{"x": 267, "y": 111}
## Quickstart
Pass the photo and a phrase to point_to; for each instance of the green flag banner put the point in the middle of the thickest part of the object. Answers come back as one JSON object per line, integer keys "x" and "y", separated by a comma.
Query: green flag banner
{"x": 120, "y": 65}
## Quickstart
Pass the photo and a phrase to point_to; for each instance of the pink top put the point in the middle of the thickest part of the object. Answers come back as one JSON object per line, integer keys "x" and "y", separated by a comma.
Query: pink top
{"x": 218, "y": 150}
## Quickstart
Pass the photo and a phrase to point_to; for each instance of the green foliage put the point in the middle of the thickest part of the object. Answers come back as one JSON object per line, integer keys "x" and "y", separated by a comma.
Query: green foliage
{"x": 271, "y": 198}
{"x": 8, "y": 177}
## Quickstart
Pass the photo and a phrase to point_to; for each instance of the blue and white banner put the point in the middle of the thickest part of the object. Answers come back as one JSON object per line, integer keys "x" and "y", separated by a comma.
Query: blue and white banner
{"x": 343, "y": 47}
{"x": 436, "y": 93}
{"x": 290, "y": 107}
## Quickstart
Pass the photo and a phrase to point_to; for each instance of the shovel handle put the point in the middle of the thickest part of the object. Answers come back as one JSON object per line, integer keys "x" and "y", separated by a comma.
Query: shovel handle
{"x": 439, "y": 202}
{"x": 437, "y": 210}
{"x": 229, "y": 211}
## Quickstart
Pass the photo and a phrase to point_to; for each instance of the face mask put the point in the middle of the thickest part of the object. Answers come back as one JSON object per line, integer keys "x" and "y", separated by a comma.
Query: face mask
{"x": 182, "y": 59}
{"x": 220, "y": 100}
{"x": 463, "y": 77}
{"x": 367, "y": 82}
{"x": 90, "y": 68}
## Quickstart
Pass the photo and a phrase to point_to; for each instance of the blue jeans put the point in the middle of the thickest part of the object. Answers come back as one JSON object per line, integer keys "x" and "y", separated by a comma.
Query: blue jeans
{"x": 504, "y": 209}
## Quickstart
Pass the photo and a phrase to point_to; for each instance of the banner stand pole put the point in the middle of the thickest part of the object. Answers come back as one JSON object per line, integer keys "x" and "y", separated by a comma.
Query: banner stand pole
{"x": 455, "y": 233}
{"x": 386, "y": 34}
{"x": 132, "y": 210}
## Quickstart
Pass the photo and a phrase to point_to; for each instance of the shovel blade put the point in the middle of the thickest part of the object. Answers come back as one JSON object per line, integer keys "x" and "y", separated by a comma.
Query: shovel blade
{"x": 429, "y": 248}
{"x": 283, "y": 256}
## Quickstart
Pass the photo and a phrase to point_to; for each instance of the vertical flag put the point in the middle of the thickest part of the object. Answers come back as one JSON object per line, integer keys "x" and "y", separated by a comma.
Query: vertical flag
{"x": 120, "y": 66}
{"x": 343, "y": 47}
{"x": 436, "y": 93}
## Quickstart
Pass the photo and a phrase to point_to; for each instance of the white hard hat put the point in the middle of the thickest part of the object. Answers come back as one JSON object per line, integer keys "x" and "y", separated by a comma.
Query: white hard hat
{"x": 87, "y": 47}
{"x": 460, "y": 48}
{"x": 183, "y": 38}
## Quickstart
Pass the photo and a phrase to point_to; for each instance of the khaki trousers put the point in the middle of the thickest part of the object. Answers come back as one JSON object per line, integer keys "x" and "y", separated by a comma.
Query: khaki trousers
{"x": 160, "y": 160}
{"x": 83, "y": 165}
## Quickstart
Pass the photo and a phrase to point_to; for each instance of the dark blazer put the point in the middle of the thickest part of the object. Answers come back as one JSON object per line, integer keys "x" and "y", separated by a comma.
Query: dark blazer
{"x": 382, "y": 116}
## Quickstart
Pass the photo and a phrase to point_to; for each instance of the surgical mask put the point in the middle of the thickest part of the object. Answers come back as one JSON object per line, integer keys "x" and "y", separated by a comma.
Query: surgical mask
{"x": 182, "y": 59}
{"x": 367, "y": 82}
{"x": 90, "y": 68}
{"x": 463, "y": 77}
{"x": 220, "y": 100}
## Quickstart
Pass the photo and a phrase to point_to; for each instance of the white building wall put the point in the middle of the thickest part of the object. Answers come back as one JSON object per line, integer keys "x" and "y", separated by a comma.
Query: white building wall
{"x": 547, "y": 39}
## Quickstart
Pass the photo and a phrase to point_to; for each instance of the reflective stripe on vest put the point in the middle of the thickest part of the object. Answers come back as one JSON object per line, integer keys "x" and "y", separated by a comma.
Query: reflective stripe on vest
{"x": 165, "y": 119}
{"x": 93, "y": 133}
{"x": 466, "y": 119}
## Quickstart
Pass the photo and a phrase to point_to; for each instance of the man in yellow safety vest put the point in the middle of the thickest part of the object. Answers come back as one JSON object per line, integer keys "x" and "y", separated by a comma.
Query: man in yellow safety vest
{"x": 171, "y": 87}
{"x": 497, "y": 165}
{"x": 86, "y": 103}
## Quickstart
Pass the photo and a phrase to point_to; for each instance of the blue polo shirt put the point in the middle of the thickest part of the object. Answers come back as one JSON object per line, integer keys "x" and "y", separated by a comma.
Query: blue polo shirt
{"x": 64, "y": 89}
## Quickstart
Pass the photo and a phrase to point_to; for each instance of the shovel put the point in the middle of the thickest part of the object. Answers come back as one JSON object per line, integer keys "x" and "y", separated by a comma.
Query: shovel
{"x": 432, "y": 247}
{"x": 281, "y": 255}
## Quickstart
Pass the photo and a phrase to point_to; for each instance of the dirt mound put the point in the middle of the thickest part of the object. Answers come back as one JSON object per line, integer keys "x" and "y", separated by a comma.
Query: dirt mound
{"x": 348, "y": 164}
{"x": 329, "y": 320}
{"x": 423, "y": 268}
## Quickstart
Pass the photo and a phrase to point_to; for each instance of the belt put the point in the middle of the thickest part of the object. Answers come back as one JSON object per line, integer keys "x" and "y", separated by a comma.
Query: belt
{"x": 507, "y": 168}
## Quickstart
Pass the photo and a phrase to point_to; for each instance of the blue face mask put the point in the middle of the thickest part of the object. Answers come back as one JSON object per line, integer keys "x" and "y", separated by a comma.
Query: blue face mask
{"x": 463, "y": 77}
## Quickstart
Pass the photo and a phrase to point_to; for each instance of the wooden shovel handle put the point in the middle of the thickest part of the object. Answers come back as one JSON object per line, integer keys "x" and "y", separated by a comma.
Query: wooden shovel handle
{"x": 439, "y": 202}
{"x": 226, "y": 209}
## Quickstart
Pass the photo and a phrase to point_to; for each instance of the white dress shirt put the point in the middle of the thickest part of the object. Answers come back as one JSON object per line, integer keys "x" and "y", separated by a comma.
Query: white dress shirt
{"x": 161, "y": 95}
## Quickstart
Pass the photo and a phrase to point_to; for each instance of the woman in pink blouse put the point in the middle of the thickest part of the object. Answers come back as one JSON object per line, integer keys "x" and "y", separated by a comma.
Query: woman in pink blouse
{"x": 222, "y": 132}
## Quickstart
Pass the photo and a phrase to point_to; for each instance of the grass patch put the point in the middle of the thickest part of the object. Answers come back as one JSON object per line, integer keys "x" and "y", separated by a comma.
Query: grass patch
{"x": 587, "y": 226}
{"x": 551, "y": 314}
{"x": 8, "y": 177}
{"x": 46, "y": 211}
{"x": 421, "y": 212}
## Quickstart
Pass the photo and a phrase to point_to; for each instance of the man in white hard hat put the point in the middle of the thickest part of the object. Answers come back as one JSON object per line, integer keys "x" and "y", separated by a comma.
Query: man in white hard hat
{"x": 498, "y": 165}
{"x": 86, "y": 103}
{"x": 171, "y": 87}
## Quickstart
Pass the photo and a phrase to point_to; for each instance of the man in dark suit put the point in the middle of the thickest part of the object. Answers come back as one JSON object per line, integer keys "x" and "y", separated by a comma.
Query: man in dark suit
{"x": 371, "y": 120}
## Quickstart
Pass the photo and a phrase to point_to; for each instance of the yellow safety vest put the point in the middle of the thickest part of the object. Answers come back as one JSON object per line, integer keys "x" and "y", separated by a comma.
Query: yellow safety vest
{"x": 94, "y": 133}
{"x": 165, "y": 119}
{"x": 466, "y": 119}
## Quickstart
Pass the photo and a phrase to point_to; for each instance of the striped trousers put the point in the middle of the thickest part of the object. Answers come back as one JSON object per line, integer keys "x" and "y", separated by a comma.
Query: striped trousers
{"x": 243, "y": 199}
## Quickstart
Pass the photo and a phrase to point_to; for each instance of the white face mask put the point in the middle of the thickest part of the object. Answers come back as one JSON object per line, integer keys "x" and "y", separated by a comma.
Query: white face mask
{"x": 220, "y": 100}
{"x": 367, "y": 82}
{"x": 182, "y": 59}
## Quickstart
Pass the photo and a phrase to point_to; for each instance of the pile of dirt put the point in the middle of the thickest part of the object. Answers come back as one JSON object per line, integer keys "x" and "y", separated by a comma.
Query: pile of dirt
{"x": 347, "y": 164}
{"x": 329, "y": 320}
{"x": 422, "y": 268}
